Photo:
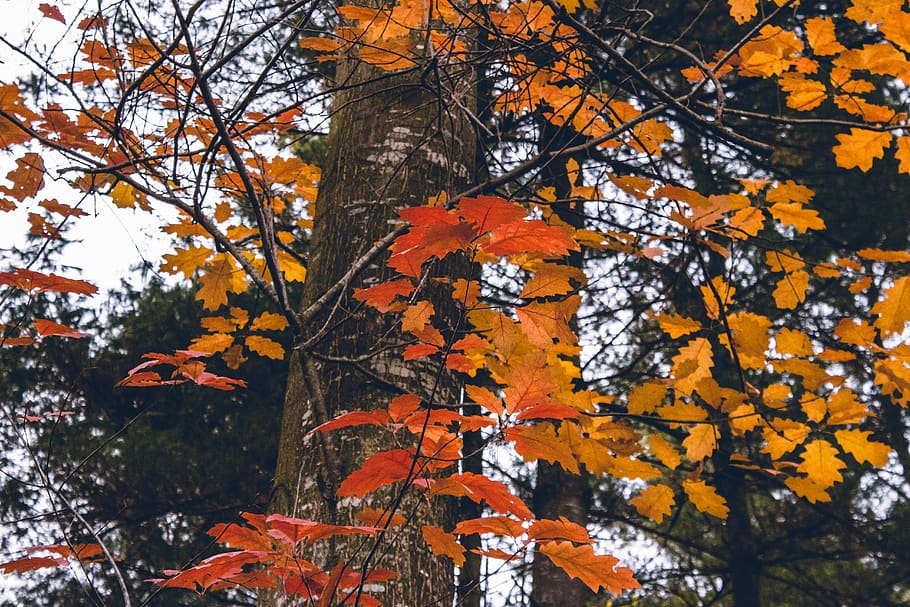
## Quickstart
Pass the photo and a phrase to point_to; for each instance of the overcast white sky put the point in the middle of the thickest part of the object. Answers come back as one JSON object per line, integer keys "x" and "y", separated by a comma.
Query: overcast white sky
{"x": 111, "y": 241}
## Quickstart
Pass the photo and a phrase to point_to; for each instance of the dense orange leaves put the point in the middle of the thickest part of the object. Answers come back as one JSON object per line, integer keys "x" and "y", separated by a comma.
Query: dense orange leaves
{"x": 721, "y": 373}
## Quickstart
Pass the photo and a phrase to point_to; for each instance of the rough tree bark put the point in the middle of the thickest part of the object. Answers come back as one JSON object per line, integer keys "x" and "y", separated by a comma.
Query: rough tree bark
{"x": 394, "y": 140}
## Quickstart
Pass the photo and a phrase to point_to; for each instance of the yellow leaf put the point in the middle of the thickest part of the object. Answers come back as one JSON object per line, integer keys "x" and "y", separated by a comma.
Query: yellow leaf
{"x": 692, "y": 364}
{"x": 221, "y": 275}
{"x": 822, "y": 38}
{"x": 125, "y": 196}
{"x": 856, "y": 443}
{"x": 724, "y": 291}
{"x": 676, "y": 326}
{"x": 705, "y": 498}
{"x": 885, "y": 256}
{"x": 186, "y": 261}
{"x": 750, "y": 338}
{"x": 701, "y": 442}
{"x": 664, "y": 451}
{"x": 268, "y": 321}
{"x": 263, "y": 346}
{"x": 212, "y": 343}
{"x": 743, "y": 10}
{"x": 794, "y": 214}
{"x": 894, "y": 310}
{"x": 814, "y": 406}
{"x": 821, "y": 464}
{"x": 292, "y": 269}
{"x": 804, "y": 487}
{"x": 860, "y": 147}
{"x": 803, "y": 94}
{"x": 784, "y": 261}
{"x": 749, "y": 220}
{"x": 791, "y": 290}
{"x": 655, "y": 502}
{"x": 646, "y": 398}
{"x": 218, "y": 324}
{"x": 903, "y": 155}
{"x": 844, "y": 408}
{"x": 551, "y": 279}
{"x": 783, "y": 436}
{"x": 793, "y": 342}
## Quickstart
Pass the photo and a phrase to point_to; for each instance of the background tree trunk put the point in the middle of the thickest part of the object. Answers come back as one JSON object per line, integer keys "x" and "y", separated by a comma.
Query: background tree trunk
{"x": 394, "y": 140}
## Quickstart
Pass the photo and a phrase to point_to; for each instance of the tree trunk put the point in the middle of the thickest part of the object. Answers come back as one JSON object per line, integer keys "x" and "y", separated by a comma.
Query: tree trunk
{"x": 394, "y": 140}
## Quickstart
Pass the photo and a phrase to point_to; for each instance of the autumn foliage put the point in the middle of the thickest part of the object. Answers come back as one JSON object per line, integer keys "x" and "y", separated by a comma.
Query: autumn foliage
{"x": 733, "y": 382}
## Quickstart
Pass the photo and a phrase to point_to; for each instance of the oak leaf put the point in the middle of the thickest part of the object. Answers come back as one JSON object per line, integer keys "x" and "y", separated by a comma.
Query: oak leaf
{"x": 821, "y": 464}
{"x": 383, "y": 468}
{"x": 596, "y": 571}
{"x": 531, "y": 235}
{"x": 894, "y": 309}
{"x": 791, "y": 290}
{"x": 692, "y": 364}
{"x": 442, "y": 543}
{"x": 701, "y": 442}
{"x": 655, "y": 502}
{"x": 860, "y": 148}
{"x": 856, "y": 443}
{"x": 706, "y": 499}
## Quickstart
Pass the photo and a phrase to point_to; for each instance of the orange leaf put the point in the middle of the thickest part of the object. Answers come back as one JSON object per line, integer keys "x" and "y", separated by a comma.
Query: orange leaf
{"x": 692, "y": 364}
{"x": 655, "y": 502}
{"x": 263, "y": 346}
{"x": 354, "y": 418}
{"x": 443, "y": 543}
{"x": 701, "y": 442}
{"x": 533, "y": 235}
{"x": 51, "y": 12}
{"x": 860, "y": 147}
{"x": 705, "y": 498}
{"x": 562, "y": 529}
{"x": 743, "y": 10}
{"x": 221, "y": 276}
{"x": 29, "y": 280}
{"x": 477, "y": 487}
{"x": 857, "y": 444}
{"x": 540, "y": 442}
{"x": 383, "y": 468}
{"x": 820, "y": 464}
{"x": 47, "y": 328}
{"x": 27, "y": 177}
{"x": 489, "y": 212}
{"x": 794, "y": 214}
{"x": 596, "y": 571}
{"x": 382, "y": 295}
{"x": 894, "y": 310}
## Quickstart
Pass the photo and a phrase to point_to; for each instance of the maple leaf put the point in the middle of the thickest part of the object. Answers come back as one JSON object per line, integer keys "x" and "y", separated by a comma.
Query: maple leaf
{"x": 860, "y": 148}
{"x": 551, "y": 279}
{"x": 596, "y": 571}
{"x": 820, "y": 464}
{"x": 27, "y": 178}
{"x": 743, "y": 10}
{"x": 705, "y": 498}
{"x": 655, "y": 502}
{"x": 186, "y": 261}
{"x": 443, "y": 543}
{"x": 894, "y": 309}
{"x": 221, "y": 276}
